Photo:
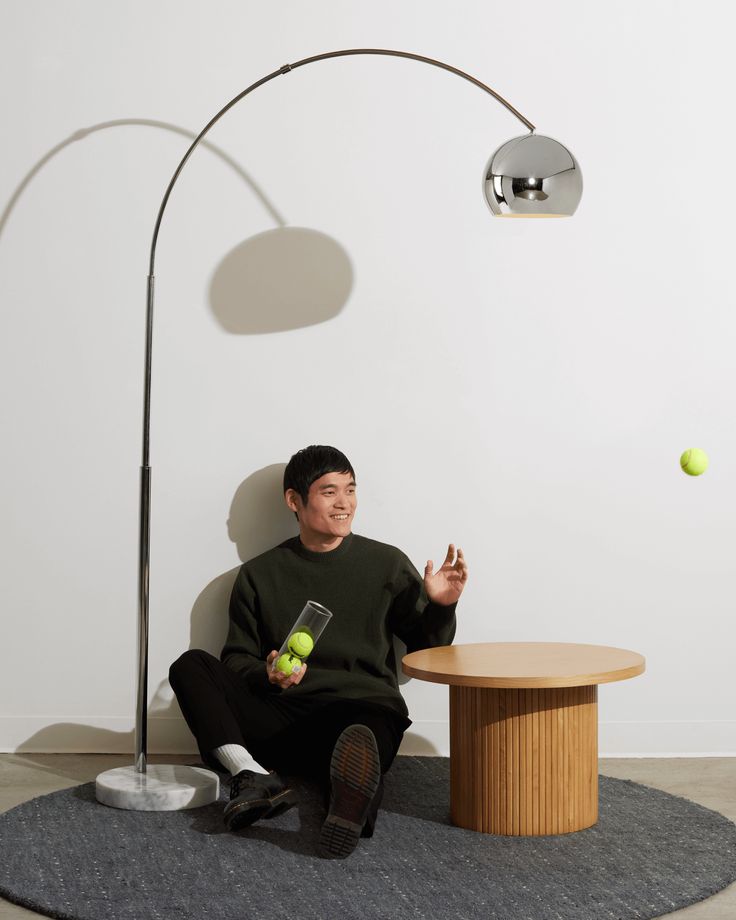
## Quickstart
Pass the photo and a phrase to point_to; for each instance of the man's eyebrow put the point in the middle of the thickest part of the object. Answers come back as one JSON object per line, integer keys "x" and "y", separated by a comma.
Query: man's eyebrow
{"x": 332, "y": 485}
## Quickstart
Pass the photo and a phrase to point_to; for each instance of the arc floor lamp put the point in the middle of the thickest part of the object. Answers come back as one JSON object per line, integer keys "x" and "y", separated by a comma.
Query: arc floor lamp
{"x": 528, "y": 176}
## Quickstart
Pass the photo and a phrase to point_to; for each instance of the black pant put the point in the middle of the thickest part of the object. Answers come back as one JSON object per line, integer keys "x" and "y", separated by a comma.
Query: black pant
{"x": 292, "y": 734}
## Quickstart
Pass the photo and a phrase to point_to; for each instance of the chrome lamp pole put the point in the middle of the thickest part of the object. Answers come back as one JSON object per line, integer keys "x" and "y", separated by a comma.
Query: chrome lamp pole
{"x": 528, "y": 176}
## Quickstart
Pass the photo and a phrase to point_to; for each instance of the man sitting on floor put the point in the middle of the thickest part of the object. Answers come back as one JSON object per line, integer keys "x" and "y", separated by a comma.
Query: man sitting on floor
{"x": 339, "y": 719}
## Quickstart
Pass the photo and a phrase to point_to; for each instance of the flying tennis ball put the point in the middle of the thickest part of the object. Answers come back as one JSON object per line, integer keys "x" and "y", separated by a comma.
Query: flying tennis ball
{"x": 288, "y": 663}
{"x": 694, "y": 461}
{"x": 301, "y": 643}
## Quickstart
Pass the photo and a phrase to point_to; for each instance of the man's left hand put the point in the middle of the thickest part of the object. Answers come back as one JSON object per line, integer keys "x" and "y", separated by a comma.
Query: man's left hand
{"x": 446, "y": 585}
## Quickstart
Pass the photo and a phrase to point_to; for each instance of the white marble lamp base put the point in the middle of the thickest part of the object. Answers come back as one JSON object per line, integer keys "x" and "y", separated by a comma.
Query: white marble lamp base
{"x": 162, "y": 787}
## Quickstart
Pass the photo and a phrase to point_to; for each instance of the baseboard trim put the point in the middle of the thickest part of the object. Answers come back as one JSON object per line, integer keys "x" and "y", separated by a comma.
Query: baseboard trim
{"x": 170, "y": 735}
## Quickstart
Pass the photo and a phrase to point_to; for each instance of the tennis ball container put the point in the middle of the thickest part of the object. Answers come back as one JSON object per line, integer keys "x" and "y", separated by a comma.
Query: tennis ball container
{"x": 302, "y": 637}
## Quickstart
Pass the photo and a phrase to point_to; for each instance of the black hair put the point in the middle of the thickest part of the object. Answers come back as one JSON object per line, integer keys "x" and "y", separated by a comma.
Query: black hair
{"x": 310, "y": 464}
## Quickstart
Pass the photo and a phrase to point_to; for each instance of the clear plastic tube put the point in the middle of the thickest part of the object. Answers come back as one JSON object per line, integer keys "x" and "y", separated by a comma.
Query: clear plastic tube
{"x": 302, "y": 637}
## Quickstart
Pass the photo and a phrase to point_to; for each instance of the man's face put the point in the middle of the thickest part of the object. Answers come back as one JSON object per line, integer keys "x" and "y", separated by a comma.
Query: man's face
{"x": 331, "y": 507}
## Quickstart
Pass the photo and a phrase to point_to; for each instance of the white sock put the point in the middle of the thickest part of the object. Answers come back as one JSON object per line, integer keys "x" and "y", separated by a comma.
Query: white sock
{"x": 235, "y": 758}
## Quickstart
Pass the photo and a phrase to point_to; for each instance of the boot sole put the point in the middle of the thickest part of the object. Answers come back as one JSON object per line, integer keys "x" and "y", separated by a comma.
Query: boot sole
{"x": 355, "y": 771}
{"x": 246, "y": 813}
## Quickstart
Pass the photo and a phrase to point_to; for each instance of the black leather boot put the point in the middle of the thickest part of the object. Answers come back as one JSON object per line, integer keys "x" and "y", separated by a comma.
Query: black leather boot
{"x": 370, "y": 821}
{"x": 254, "y": 796}
{"x": 355, "y": 773}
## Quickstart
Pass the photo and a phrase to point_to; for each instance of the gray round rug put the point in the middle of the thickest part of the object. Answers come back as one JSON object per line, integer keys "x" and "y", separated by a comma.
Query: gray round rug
{"x": 67, "y": 856}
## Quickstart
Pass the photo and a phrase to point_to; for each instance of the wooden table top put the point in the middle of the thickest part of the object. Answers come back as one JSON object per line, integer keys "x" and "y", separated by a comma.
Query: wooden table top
{"x": 523, "y": 664}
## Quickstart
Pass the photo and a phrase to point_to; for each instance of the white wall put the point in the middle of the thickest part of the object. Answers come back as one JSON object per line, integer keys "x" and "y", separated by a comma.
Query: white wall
{"x": 523, "y": 389}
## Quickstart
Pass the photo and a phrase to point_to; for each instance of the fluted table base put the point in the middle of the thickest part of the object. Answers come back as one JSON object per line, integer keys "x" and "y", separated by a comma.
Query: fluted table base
{"x": 524, "y": 761}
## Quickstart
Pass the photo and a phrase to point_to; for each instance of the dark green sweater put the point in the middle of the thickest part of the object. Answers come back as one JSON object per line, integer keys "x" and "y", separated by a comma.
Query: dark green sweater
{"x": 373, "y": 591}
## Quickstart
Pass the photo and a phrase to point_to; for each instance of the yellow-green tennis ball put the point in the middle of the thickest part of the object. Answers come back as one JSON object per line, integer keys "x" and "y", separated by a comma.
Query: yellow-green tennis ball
{"x": 301, "y": 644}
{"x": 694, "y": 461}
{"x": 288, "y": 663}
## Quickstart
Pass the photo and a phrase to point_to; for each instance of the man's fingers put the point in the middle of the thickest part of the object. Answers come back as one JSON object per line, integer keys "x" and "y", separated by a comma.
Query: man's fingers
{"x": 295, "y": 677}
{"x": 278, "y": 677}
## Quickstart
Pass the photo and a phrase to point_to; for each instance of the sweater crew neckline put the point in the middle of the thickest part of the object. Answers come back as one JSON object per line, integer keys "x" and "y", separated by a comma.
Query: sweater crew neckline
{"x": 328, "y": 555}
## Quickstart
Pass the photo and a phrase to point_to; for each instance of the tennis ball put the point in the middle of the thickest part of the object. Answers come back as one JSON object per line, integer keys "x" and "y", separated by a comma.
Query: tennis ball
{"x": 301, "y": 644}
{"x": 288, "y": 663}
{"x": 694, "y": 461}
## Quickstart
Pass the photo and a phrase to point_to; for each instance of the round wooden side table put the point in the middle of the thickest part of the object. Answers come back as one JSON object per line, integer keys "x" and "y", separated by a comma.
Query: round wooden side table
{"x": 523, "y": 730}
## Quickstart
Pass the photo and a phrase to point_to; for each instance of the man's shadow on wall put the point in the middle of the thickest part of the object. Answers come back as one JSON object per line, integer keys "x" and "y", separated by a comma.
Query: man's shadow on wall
{"x": 258, "y": 520}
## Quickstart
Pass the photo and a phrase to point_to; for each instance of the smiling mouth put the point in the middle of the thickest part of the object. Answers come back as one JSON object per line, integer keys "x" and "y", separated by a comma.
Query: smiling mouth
{"x": 339, "y": 517}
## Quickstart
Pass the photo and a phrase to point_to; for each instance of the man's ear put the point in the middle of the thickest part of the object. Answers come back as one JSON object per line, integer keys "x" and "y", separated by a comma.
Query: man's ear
{"x": 290, "y": 497}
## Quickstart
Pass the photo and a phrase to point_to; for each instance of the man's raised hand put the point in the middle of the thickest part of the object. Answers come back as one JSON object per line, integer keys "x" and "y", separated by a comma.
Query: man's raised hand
{"x": 278, "y": 677}
{"x": 446, "y": 585}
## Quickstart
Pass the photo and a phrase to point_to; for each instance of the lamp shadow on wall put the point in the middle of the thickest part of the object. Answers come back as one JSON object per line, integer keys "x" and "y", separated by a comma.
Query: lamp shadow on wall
{"x": 83, "y": 133}
{"x": 285, "y": 278}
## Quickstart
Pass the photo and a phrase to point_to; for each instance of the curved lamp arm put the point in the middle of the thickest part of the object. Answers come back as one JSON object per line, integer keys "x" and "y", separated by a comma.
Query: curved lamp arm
{"x": 145, "y": 485}
{"x": 310, "y": 60}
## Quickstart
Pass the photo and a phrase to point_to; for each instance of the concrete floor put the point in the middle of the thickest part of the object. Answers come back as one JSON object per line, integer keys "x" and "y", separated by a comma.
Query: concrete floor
{"x": 710, "y": 781}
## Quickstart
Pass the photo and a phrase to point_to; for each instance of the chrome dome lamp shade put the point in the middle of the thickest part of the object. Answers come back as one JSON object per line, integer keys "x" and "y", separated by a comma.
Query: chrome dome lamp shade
{"x": 532, "y": 176}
